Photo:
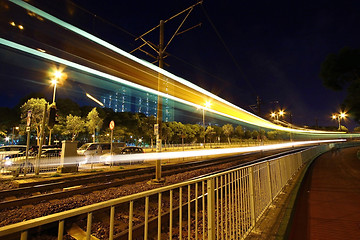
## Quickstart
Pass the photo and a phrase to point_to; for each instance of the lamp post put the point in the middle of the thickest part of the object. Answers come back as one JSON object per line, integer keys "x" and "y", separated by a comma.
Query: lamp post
{"x": 276, "y": 115}
{"x": 57, "y": 75}
{"x": 13, "y": 133}
{"x": 207, "y": 105}
{"x": 338, "y": 117}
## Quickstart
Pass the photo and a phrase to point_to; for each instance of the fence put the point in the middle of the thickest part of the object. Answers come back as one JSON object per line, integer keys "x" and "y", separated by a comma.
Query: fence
{"x": 221, "y": 206}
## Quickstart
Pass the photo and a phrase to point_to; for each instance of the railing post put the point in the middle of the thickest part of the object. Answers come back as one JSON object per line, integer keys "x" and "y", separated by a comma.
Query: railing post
{"x": 88, "y": 226}
{"x": 252, "y": 195}
{"x": 211, "y": 208}
{"x": 112, "y": 222}
{"x": 61, "y": 230}
{"x": 24, "y": 235}
{"x": 269, "y": 180}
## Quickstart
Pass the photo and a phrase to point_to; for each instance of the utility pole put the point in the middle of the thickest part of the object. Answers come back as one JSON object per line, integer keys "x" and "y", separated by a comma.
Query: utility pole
{"x": 258, "y": 103}
{"x": 160, "y": 50}
{"x": 159, "y": 103}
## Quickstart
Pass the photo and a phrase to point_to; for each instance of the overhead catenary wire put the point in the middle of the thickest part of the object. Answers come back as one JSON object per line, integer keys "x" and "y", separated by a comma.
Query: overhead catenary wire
{"x": 166, "y": 53}
{"x": 228, "y": 51}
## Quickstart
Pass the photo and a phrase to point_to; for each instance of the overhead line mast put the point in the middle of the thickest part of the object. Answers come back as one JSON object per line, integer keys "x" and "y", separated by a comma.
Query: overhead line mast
{"x": 160, "y": 50}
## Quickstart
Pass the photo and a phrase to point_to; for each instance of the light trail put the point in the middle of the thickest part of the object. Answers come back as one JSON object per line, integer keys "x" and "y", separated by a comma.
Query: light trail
{"x": 94, "y": 99}
{"x": 148, "y": 157}
{"x": 183, "y": 91}
{"x": 200, "y": 153}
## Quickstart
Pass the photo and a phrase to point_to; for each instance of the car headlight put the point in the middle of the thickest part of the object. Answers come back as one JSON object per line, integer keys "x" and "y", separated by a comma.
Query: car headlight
{"x": 8, "y": 163}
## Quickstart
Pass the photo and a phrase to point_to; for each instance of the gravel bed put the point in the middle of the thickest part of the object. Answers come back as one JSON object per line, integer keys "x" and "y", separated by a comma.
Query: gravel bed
{"x": 10, "y": 216}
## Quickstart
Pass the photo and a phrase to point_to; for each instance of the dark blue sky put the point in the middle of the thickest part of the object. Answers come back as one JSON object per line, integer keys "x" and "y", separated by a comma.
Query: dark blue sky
{"x": 276, "y": 47}
{"x": 244, "y": 49}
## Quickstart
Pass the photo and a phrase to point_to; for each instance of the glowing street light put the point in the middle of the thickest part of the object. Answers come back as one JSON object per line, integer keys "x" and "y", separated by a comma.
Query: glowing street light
{"x": 277, "y": 115}
{"x": 57, "y": 77}
{"x": 338, "y": 117}
{"x": 13, "y": 133}
{"x": 207, "y": 105}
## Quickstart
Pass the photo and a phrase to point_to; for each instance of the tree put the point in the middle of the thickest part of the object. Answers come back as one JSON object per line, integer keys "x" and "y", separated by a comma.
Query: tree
{"x": 36, "y": 106}
{"x": 93, "y": 122}
{"x": 228, "y": 129}
{"x": 190, "y": 132}
{"x": 272, "y": 135}
{"x": 240, "y": 131}
{"x": 67, "y": 106}
{"x": 254, "y": 134}
{"x": 342, "y": 70}
{"x": 210, "y": 132}
{"x": 167, "y": 132}
{"x": 74, "y": 125}
{"x": 247, "y": 134}
{"x": 147, "y": 128}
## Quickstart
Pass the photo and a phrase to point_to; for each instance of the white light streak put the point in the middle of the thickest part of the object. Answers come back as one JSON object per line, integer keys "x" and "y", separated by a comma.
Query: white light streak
{"x": 261, "y": 122}
{"x": 212, "y": 152}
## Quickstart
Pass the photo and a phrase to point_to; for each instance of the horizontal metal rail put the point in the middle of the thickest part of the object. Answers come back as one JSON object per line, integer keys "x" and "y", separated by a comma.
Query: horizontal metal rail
{"x": 225, "y": 205}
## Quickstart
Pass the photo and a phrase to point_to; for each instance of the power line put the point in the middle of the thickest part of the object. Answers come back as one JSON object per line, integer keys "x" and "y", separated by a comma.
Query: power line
{"x": 228, "y": 51}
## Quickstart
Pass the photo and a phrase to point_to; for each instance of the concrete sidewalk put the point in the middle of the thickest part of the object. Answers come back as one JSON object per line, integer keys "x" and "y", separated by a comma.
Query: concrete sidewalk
{"x": 328, "y": 203}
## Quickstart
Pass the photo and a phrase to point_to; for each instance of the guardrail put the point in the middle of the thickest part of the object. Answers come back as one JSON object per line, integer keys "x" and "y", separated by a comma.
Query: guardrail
{"x": 221, "y": 206}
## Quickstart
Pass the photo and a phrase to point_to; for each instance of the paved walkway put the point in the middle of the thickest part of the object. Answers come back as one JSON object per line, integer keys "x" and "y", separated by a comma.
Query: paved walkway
{"x": 328, "y": 205}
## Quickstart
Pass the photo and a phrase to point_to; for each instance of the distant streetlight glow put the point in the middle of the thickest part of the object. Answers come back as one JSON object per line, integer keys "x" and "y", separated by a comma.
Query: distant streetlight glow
{"x": 338, "y": 117}
{"x": 276, "y": 115}
{"x": 57, "y": 76}
{"x": 207, "y": 105}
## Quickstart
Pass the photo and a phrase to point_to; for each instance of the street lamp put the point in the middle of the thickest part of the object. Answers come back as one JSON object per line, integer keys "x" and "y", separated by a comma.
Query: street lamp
{"x": 207, "y": 105}
{"x": 338, "y": 117}
{"x": 57, "y": 76}
{"x": 13, "y": 133}
{"x": 277, "y": 115}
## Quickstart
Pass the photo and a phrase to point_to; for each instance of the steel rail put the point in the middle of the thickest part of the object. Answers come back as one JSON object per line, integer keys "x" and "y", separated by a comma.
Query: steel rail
{"x": 103, "y": 181}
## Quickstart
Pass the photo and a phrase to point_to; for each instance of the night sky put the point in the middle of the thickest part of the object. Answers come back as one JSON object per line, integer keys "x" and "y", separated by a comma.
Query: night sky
{"x": 244, "y": 49}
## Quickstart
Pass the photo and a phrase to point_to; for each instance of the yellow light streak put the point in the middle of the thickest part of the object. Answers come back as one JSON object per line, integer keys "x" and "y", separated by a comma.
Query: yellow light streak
{"x": 94, "y": 99}
{"x": 182, "y": 89}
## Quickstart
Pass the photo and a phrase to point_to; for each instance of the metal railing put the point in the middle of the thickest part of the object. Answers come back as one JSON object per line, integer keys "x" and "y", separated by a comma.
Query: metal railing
{"x": 222, "y": 206}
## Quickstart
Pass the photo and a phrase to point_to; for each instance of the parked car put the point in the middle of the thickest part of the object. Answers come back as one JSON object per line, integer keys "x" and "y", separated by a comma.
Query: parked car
{"x": 34, "y": 149}
{"x": 17, "y": 163}
{"x": 92, "y": 151}
{"x": 11, "y": 149}
{"x": 116, "y": 158}
{"x": 51, "y": 152}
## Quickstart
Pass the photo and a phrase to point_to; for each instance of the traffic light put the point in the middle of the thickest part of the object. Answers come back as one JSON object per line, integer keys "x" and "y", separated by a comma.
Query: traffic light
{"x": 52, "y": 117}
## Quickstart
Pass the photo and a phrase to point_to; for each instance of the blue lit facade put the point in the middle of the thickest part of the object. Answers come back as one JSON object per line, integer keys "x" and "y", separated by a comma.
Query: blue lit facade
{"x": 126, "y": 99}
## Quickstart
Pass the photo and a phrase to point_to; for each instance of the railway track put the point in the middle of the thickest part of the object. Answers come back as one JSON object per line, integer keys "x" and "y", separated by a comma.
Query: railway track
{"x": 42, "y": 191}
{"x": 110, "y": 179}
